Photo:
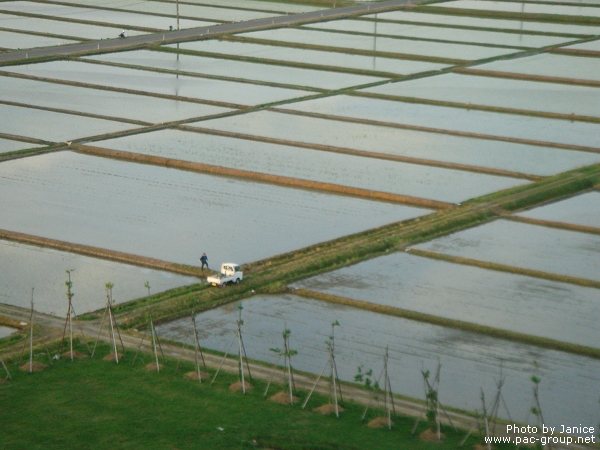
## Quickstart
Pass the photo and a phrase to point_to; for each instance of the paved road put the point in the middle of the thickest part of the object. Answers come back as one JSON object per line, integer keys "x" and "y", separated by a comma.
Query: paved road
{"x": 195, "y": 33}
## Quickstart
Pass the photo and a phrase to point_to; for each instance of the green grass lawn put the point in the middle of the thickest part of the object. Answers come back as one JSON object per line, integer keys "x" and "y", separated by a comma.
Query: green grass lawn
{"x": 96, "y": 404}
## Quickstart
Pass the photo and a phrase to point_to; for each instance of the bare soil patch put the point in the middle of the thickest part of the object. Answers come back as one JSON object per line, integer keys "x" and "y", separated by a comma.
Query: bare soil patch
{"x": 111, "y": 357}
{"x": 76, "y": 355}
{"x": 36, "y": 367}
{"x": 283, "y": 398}
{"x": 194, "y": 375}
{"x": 4, "y": 380}
{"x": 237, "y": 387}
{"x": 431, "y": 436}
{"x": 328, "y": 408}
{"x": 151, "y": 367}
{"x": 380, "y": 422}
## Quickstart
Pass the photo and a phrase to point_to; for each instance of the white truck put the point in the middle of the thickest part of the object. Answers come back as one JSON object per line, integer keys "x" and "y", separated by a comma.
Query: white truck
{"x": 231, "y": 273}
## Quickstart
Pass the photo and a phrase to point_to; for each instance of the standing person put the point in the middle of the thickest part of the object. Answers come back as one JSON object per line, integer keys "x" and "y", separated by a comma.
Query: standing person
{"x": 204, "y": 260}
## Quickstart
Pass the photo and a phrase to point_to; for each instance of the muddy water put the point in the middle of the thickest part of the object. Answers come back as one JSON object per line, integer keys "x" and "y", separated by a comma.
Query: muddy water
{"x": 106, "y": 103}
{"x": 20, "y": 41}
{"x": 499, "y": 92}
{"x": 528, "y": 246}
{"x": 11, "y": 146}
{"x": 481, "y": 22}
{"x": 569, "y": 389}
{"x": 23, "y": 267}
{"x": 174, "y": 215}
{"x": 315, "y": 165}
{"x": 550, "y": 65}
{"x": 500, "y": 300}
{"x": 61, "y": 28}
{"x": 580, "y": 210}
{"x": 438, "y": 147}
{"x": 355, "y": 41}
{"x": 334, "y": 59}
{"x": 5, "y": 332}
{"x": 161, "y": 83}
{"x": 457, "y": 119}
{"x": 528, "y": 8}
{"x": 444, "y": 34}
{"x": 98, "y": 15}
{"x": 242, "y": 69}
{"x": 52, "y": 126}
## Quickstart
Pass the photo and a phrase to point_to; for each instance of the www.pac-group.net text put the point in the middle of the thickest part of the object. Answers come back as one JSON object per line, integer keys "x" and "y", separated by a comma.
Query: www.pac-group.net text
{"x": 528, "y": 435}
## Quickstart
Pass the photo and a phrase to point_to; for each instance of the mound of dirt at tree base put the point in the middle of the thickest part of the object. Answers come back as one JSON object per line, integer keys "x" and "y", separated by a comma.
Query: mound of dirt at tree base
{"x": 237, "y": 387}
{"x": 328, "y": 408}
{"x": 380, "y": 422}
{"x": 151, "y": 367}
{"x": 431, "y": 436}
{"x": 111, "y": 357}
{"x": 36, "y": 367}
{"x": 76, "y": 355}
{"x": 194, "y": 376}
{"x": 283, "y": 398}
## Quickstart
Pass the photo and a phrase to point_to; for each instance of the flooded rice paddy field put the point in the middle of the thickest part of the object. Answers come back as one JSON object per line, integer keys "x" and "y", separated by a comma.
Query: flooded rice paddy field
{"x": 401, "y": 46}
{"x": 316, "y": 165}
{"x": 239, "y": 69}
{"x": 23, "y": 267}
{"x": 16, "y": 41}
{"x": 527, "y": 305}
{"x": 394, "y": 141}
{"x": 486, "y": 23}
{"x": 434, "y": 32}
{"x": 499, "y": 92}
{"x": 582, "y": 209}
{"x": 527, "y": 8}
{"x": 78, "y": 30}
{"x": 52, "y": 126}
{"x": 528, "y": 246}
{"x": 309, "y": 56}
{"x": 454, "y": 119}
{"x": 102, "y": 102}
{"x": 6, "y": 331}
{"x": 549, "y": 65}
{"x": 569, "y": 389}
{"x": 258, "y": 5}
{"x": 117, "y": 18}
{"x": 175, "y": 215}
{"x": 590, "y": 46}
{"x": 7, "y": 145}
{"x": 159, "y": 83}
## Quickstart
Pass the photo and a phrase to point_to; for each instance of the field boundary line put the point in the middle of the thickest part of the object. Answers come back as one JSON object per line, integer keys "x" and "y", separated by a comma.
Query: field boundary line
{"x": 263, "y": 177}
{"x": 555, "y": 224}
{"x": 526, "y": 77}
{"x": 506, "y": 268}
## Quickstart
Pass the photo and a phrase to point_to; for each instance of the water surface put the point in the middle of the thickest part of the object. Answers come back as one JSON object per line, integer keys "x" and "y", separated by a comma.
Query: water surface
{"x": 315, "y": 165}
{"x": 5, "y": 332}
{"x": 160, "y": 83}
{"x": 242, "y": 69}
{"x": 582, "y": 209}
{"x": 175, "y": 215}
{"x": 455, "y": 119}
{"x": 21, "y": 41}
{"x": 593, "y": 46}
{"x": 527, "y": 8}
{"x": 306, "y": 56}
{"x": 356, "y": 41}
{"x": 52, "y": 126}
{"x": 527, "y": 305}
{"x": 23, "y": 267}
{"x": 441, "y": 33}
{"x": 106, "y": 103}
{"x": 500, "y": 92}
{"x": 569, "y": 389}
{"x": 11, "y": 146}
{"x": 416, "y": 144}
{"x": 529, "y": 246}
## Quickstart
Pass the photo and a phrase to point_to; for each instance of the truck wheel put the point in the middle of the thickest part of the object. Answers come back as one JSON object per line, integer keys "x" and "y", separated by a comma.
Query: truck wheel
{"x": 237, "y": 281}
